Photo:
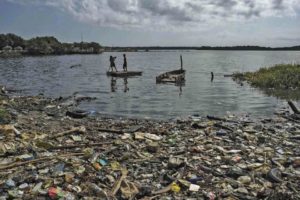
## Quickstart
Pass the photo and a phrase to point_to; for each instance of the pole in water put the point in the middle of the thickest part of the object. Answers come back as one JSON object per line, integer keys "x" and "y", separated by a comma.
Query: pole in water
{"x": 212, "y": 77}
{"x": 181, "y": 64}
{"x": 293, "y": 107}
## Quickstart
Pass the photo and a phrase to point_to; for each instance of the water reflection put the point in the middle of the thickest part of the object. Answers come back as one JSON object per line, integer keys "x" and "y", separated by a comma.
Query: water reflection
{"x": 180, "y": 85}
{"x": 113, "y": 84}
{"x": 283, "y": 94}
{"x": 126, "y": 89}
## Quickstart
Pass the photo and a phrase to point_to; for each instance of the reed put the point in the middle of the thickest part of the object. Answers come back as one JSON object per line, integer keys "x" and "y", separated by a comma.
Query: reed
{"x": 281, "y": 76}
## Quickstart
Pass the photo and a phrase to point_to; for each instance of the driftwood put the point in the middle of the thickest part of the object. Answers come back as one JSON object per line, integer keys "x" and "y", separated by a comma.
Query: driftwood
{"x": 18, "y": 164}
{"x": 220, "y": 119}
{"x": 228, "y": 75}
{"x": 77, "y": 65}
{"x": 210, "y": 117}
{"x": 223, "y": 127}
{"x": 295, "y": 137}
{"x": 169, "y": 187}
{"x": 293, "y": 107}
{"x": 81, "y": 145}
{"x": 110, "y": 130}
{"x": 124, "y": 74}
{"x": 215, "y": 118}
{"x": 118, "y": 183}
{"x": 80, "y": 129}
{"x": 291, "y": 119}
{"x": 163, "y": 190}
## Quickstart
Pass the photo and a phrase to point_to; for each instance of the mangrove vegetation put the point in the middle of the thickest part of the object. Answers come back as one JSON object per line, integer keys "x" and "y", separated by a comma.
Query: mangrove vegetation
{"x": 11, "y": 44}
{"x": 282, "y": 80}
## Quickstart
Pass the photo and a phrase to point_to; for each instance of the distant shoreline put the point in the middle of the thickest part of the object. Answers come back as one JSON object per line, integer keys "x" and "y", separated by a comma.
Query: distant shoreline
{"x": 206, "y": 48}
{"x": 22, "y": 54}
{"x": 14, "y": 45}
{"x": 119, "y": 49}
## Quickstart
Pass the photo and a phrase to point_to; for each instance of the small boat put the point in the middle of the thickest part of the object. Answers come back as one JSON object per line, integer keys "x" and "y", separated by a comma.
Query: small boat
{"x": 175, "y": 76}
{"x": 124, "y": 74}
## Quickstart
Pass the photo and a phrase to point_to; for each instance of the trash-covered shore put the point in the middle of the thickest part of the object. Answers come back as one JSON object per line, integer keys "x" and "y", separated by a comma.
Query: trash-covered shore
{"x": 47, "y": 152}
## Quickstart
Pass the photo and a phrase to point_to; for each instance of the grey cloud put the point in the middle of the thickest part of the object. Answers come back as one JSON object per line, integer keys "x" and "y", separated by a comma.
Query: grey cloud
{"x": 226, "y": 4}
{"x": 117, "y": 5}
{"x": 168, "y": 14}
{"x": 250, "y": 3}
{"x": 278, "y": 5}
{"x": 194, "y": 6}
{"x": 164, "y": 9}
{"x": 250, "y": 13}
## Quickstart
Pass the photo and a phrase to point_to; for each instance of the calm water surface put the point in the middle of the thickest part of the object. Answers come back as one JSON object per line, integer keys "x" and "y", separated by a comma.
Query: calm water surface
{"x": 141, "y": 96}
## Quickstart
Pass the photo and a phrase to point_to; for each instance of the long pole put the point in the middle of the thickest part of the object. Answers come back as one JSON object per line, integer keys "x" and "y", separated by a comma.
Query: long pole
{"x": 81, "y": 41}
{"x": 181, "y": 62}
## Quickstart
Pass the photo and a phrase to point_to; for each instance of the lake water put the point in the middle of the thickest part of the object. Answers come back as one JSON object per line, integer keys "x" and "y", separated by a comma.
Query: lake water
{"x": 141, "y": 96}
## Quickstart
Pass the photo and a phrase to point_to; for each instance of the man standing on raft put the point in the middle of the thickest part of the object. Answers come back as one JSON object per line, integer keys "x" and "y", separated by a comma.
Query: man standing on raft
{"x": 112, "y": 63}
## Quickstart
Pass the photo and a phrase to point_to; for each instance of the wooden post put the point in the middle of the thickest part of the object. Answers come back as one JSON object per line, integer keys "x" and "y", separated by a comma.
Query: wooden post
{"x": 293, "y": 107}
{"x": 181, "y": 62}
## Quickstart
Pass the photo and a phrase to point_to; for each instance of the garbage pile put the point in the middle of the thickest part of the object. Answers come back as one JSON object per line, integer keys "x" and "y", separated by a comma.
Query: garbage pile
{"x": 45, "y": 156}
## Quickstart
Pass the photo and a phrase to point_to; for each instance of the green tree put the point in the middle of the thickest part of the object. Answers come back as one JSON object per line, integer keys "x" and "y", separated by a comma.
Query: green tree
{"x": 15, "y": 40}
{"x": 3, "y": 41}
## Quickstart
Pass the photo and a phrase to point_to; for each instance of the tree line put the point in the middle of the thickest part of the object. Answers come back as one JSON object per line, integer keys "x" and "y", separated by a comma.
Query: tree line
{"x": 46, "y": 45}
{"x": 222, "y": 48}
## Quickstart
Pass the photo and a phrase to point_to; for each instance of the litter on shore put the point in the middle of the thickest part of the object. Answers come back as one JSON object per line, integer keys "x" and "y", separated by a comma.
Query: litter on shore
{"x": 54, "y": 156}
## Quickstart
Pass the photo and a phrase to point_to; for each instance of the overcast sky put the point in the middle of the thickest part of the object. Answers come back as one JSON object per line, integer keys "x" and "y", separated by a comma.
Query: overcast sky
{"x": 156, "y": 22}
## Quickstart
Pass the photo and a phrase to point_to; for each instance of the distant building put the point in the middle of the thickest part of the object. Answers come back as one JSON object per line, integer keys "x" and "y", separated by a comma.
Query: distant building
{"x": 7, "y": 48}
{"x": 76, "y": 49}
{"x": 90, "y": 50}
{"x": 18, "y": 49}
{"x": 108, "y": 49}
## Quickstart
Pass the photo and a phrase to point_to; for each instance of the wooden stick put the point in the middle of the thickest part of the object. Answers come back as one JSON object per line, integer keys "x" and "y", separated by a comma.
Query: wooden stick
{"x": 228, "y": 75}
{"x": 169, "y": 187}
{"x": 163, "y": 190}
{"x": 223, "y": 119}
{"x": 118, "y": 184}
{"x": 293, "y": 107}
{"x": 80, "y": 145}
{"x": 223, "y": 127}
{"x": 80, "y": 129}
{"x": 291, "y": 119}
{"x": 181, "y": 63}
{"x": 295, "y": 137}
{"x": 18, "y": 164}
{"x": 110, "y": 131}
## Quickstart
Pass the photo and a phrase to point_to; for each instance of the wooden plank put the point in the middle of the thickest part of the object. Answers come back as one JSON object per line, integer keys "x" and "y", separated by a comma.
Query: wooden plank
{"x": 124, "y": 74}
